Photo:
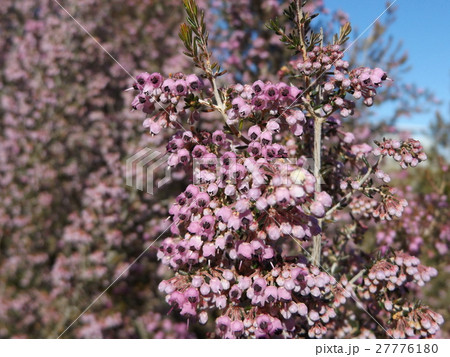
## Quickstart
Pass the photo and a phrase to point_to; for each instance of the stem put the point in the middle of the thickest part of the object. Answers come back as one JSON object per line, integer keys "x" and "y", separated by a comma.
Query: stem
{"x": 221, "y": 108}
{"x": 220, "y": 105}
{"x": 357, "y": 276}
{"x": 203, "y": 60}
{"x": 317, "y": 240}
{"x": 317, "y": 148}
{"x": 300, "y": 28}
{"x": 348, "y": 195}
{"x": 216, "y": 92}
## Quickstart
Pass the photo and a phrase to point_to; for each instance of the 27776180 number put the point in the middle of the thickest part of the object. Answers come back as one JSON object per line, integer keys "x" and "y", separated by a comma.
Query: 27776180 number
{"x": 406, "y": 348}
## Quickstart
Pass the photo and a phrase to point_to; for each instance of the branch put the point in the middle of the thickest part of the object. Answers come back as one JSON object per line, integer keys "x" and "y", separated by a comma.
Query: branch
{"x": 300, "y": 28}
{"x": 318, "y": 121}
{"x": 357, "y": 276}
{"x": 348, "y": 195}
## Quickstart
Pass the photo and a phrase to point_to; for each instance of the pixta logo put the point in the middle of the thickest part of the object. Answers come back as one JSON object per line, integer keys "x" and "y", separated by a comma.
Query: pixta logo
{"x": 142, "y": 167}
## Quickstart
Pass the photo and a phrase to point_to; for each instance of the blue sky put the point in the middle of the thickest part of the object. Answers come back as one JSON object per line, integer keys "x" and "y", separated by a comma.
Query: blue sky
{"x": 424, "y": 29}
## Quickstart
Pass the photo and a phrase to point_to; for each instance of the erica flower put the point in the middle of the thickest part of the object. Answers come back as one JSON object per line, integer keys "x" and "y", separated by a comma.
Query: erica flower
{"x": 260, "y": 102}
{"x": 156, "y": 80}
{"x": 223, "y": 323}
{"x": 266, "y": 138}
{"x": 271, "y": 92}
{"x": 199, "y": 151}
{"x": 245, "y": 110}
{"x": 194, "y": 82}
{"x": 263, "y": 322}
{"x": 254, "y": 132}
{"x": 237, "y": 103}
{"x": 258, "y": 87}
{"x": 168, "y": 85}
{"x": 218, "y": 137}
{"x": 237, "y": 327}
{"x": 180, "y": 87}
{"x": 317, "y": 209}
{"x": 245, "y": 250}
{"x": 273, "y": 231}
{"x": 254, "y": 149}
{"x": 141, "y": 79}
{"x": 271, "y": 294}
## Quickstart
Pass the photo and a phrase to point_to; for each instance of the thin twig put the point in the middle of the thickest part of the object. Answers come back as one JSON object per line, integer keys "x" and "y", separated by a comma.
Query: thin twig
{"x": 357, "y": 276}
{"x": 300, "y": 28}
{"x": 348, "y": 195}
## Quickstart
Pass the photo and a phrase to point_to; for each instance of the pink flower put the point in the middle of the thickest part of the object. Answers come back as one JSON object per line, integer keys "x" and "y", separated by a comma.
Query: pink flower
{"x": 269, "y": 253}
{"x": 259, "y": 285}
{"x": 205, "y": 289}
{"x": 194, "y": 82}
{"x": 235, "y": 293}
{"x": 282, "y": 195}
{"x": 218, "y": 137}
{"x": 209, "y": 250}
{"x": 215, "y": 285}
{"x": 234, "y": 222}
{"x": 180, "y": 87}
{"x": 224, "y": 214}
{"x": 254, "y": 132}
{"x": 302, "y": 309}
{"x": 266, "y": 138}
{"x": 271, "y": 294}
{"x": 258, "y": 87}
{"x": 207, "y": 222}
{"x": 284, "y": 295}
{"x": 237, "y": 328}
{"x": 188, "y": 310}
{"x": 242, "y": 205}
{"x": 192, "y": 295}
{"x": 255, "y": 149}
{"x": 155, "y": 79}
{"x": 177, "y": 299}
{"x": 221, "y": 301}
{"x": 245, "y": 251}
{"x": 324, "y": 198}
{"x": 317, "y": 209}
{"x": 199, "y": 151}
{"x": 273, "y": 126}
{"x": 263, "y": 322}
{"x": 223, "y": 323}
{"x": 298, "y": 232}
{"x": 271, "y": 92}
{"x": 273, "y": 231}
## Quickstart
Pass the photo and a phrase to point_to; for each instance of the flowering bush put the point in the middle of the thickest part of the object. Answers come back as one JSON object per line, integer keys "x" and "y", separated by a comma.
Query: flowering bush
{"x": 261, "y": 242}
{"x": 68, "y": 223}
{"x": 69, "y": 226}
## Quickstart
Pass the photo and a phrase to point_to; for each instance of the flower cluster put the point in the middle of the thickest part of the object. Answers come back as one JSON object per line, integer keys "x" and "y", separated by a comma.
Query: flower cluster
{"x": 236, "y": 226}
{"x": 166, "y": 97}
{"x": 364, "y": 81}
{"x": 406, "y": 153}
{"x": 322, "y": 59}
{"x": 284, "y": 296}
{"x": 267, "y": 198}
{"x": 359, "y": 83}
{"x": 258, "y": 98}
{"x": 398, "y": 271}
{"x": 386, "y": 206}
{"x": 413, "y": 321}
